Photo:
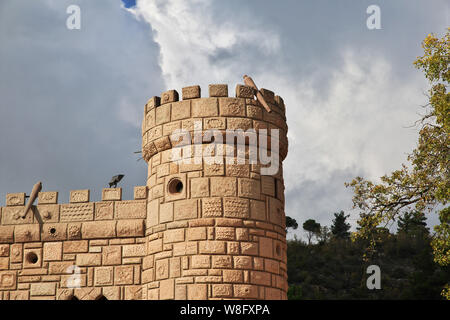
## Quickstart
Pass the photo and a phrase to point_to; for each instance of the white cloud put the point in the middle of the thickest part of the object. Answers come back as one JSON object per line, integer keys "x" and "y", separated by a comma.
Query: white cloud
{"x": 190, "y": 37}
{"x": 351, "y": 122}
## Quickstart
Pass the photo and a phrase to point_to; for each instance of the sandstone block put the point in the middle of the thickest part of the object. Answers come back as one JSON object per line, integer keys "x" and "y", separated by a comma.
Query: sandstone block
{"x": 175, "y": 235}
{"x": 8, "y": 280}
{"x": 233, "y": 276}
{"x": 180, "y": 292}
{"x": 75, "y": 246}
{"x": 221, "y": 262}
{"x": 130, "y": 228}
{"x": 199, "y": 187}
{"x": 249, "y": 248}
{"x": 12, "y": 215}
{"x": 60, "y": 267}
{"x": 169, "y": 96}
{"x": 49, "y": 197}
{"x": 48, "y": 212}
{"x": 197, "y": 291}
{"x": 260, "y": 278}
{"x": 239, "y": 123}
{"x": 238, "y": 170}
{"x": 77, "y": 196}
{"x": 212, "y": 247}
{"x": 152, "y": 103}
{"x": 214, "y": 123}
{"x": 223, "y": 186}
{"x": 6, "y": 234}
{"x": 123, "y": 275}
{"x": 257, "y": 210}
{"x": 53, "y": 251}
{"x": 167, "y": 289}
{"x": 222, "y": 290}
{"x": 131, "y": 209}
{"x": 140, "y": 192}
{"x": 162, "y": 269}
{"x": 218, "y": 90}
{"x": 205, "y": 107}
{"x": 272, "y": 266}
{"x": 43, "y": 289}
{"x": 162, "y": 144}
{"x": 245, "y": 291}
{"x": 112, "y": 194}
{"x": 27, "y": 233}
{"x": 4, "y": 250}
{"x": 241, "y": 234}
{"x": 155, "y": 246}
{"x": 185, "y": 209}
{"x": 232, "y": 107}
{"x": 198, "y": 233}
{"x": 236, "y": 208}
{"x": 98, "y": 230}
{"x": 54, "y": 232}
{"x": 89, "y": 259}
{"x": 148, "y": 276}
{"x": 200, "y": 262}
{"x": 150, "y": 119}
{"x": 4, "y": 263}
{"x": 268, "y": 185}
{"x": 77, "y": 212}
{"x": 242, "y": 262}
{"x": 163, "y": 114}
{"x": 153, "y": 213}
{"x": 15, "y": 199}
{"x": 134, "y": 250}
{"x": 249, "y": 188}
{"x": 112, "y": 255}
{"x": 212, "y": 207}
{"x": 214, "y": 169}
{"x": 185, "y": 248}
{"x": 225, "y": 233}
{"x": 245, "y": 92}
{"x": 103, "y": 276}
{"x": 265, "y": 247}
{"x": 175, "y": 267}
{"x": 181, "y": 110}
{"x": 191, "y": 92}
{"x": 166, "y": 212}
{"x": 254, "y": 112}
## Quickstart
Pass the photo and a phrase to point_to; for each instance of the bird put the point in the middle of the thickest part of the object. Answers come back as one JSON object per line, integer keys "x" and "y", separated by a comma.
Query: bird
{"x": 115, "y": 180}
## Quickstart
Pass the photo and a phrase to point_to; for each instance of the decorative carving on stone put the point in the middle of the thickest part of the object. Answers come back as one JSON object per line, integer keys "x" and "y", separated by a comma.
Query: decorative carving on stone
{"x": 77, "y": 212}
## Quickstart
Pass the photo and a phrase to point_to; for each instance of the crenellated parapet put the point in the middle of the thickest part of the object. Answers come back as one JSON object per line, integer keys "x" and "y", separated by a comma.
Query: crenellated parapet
{"x": 165, "y": 114}
{"x": 79, "y": 219}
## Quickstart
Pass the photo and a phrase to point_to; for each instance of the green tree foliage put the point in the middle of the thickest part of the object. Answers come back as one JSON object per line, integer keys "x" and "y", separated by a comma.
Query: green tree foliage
{"x": 291, "y": 223}
{"x": 312, "y": 228}
{"x": 333, "y": 269}
{"x": 340, "y": 228}
{"x": 413, "y": 223}
{"x": 425, "y": 183}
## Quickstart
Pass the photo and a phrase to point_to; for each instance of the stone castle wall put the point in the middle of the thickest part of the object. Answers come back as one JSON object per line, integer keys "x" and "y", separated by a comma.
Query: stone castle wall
{"x": 198, "y": 230}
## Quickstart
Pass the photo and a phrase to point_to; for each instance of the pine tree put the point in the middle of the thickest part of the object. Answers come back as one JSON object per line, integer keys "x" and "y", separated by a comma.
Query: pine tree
{"x": 413, "y": 223}
{"x": 340, "y": 228}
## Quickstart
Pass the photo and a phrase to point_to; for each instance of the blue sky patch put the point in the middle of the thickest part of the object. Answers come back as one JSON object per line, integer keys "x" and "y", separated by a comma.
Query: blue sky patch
{"x": 129, "y": 3}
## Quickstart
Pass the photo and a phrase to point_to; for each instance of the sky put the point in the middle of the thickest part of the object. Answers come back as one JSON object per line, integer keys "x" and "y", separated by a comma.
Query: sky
{"x": 72, "y": 100}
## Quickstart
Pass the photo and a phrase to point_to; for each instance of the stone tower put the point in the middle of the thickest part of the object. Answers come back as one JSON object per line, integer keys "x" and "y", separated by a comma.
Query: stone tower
{"x": 216, "y": 229}
{"x": 199, "y": 229}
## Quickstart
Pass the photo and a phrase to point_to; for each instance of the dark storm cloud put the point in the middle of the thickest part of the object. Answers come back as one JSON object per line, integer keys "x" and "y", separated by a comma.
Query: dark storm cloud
{"x": 72, "y": 100}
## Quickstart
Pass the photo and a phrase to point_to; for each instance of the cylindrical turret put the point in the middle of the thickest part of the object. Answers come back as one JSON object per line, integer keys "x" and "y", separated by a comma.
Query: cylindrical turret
{"x": 215, "y": 215}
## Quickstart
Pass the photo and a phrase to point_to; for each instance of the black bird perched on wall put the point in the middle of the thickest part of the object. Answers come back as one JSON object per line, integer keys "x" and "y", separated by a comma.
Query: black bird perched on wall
{"x": 115, "y": 180}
